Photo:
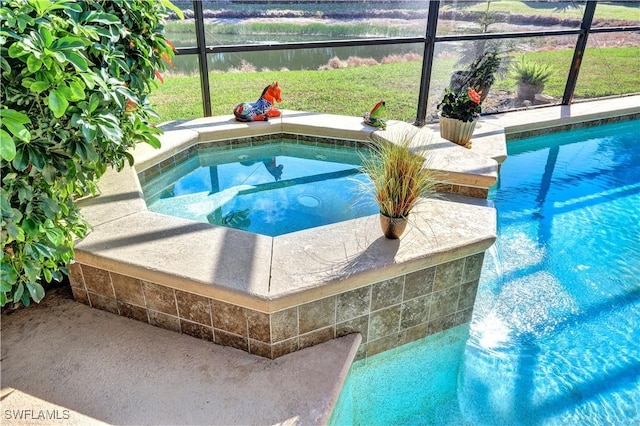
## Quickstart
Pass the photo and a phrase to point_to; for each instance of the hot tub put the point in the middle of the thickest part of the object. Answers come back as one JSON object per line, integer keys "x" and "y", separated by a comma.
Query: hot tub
{"x": 269, "y": 188}
{"x": 272, "y": 295}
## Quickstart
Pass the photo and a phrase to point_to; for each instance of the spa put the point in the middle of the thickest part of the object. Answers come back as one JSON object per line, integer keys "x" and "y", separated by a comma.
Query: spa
{"x": 270, "y": 296}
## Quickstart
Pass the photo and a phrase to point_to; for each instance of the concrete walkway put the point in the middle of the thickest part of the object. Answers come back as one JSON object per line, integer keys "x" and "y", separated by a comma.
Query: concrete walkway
{"x": 64, "y": 363}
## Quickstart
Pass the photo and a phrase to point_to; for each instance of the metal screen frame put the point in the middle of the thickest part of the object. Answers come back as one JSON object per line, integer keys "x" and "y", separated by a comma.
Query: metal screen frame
{"x": 429, "y": 41}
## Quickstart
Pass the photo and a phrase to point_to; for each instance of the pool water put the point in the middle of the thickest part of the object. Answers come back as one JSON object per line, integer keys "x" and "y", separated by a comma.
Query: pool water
{"x": 270, "y": 189}
{"x": 555, "y": 335}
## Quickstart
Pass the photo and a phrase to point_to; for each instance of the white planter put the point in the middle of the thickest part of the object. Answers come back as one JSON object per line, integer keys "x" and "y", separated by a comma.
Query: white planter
{"x": 457, "y": 131}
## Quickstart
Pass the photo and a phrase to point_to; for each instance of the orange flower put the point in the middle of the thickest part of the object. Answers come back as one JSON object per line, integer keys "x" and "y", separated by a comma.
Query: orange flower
{"x": 170, "y": 44}
{"x": 475, "y": 96}
{"x": 167, "y": 59}
{"x": 131, "y": 106}
{"x": 157, "y": 73}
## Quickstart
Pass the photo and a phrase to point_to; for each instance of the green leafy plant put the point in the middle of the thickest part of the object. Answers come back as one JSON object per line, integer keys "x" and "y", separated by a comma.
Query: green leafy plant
{"x": 75, "y": 80}
{"x": 463, "y": 106}
{"x": 400, "y": 175}
{"x": 480, "y": 74}
{"x": 483, "y": 69}
{"x": 530, "y": 72}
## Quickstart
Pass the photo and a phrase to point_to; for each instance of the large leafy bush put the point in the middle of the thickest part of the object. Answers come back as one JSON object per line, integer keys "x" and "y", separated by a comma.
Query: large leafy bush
{"x": 75, "y": 80}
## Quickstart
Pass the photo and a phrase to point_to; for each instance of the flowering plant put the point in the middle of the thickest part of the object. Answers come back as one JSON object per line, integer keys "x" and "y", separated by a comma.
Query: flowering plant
{"x": 461, "y": 106}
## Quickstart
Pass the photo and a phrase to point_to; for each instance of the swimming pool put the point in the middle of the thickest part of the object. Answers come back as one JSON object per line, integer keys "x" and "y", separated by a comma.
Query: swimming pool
{"x": 556, "y": 324}
{"x": 269, "y": 189}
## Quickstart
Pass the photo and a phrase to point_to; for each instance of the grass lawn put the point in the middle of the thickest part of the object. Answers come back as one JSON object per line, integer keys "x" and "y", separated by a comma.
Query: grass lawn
{"x": 355, "y": 90}
{"x": 346, "y": 91}
{"x": 626, "y": 11}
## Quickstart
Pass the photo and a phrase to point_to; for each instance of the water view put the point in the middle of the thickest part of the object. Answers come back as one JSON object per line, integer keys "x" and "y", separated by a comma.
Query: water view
{"x": 252, "y": 22}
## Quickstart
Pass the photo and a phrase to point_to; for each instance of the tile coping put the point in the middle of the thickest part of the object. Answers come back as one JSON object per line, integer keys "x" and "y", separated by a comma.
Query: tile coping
{"x": 453, "y": 161}
{"x": 518, "y": 124}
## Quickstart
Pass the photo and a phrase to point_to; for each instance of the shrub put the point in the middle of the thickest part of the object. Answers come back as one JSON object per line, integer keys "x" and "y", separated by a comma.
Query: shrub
{"x": 244, "y": 67}
{"x": 356, "y": 61}
{"x": 75, "y": 80}
{"x": 334, "y": 63}
{"x": 531, "y": 72}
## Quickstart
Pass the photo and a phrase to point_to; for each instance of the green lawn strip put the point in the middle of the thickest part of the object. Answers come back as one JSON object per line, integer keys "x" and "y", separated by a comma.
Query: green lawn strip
{"x": 354, "y": 91}
{"x": 609, "y": 71}
{"x": 346, "y": 91}
{"x": 618, "y": 11}
{"x": 177, "y": 98}
{"x": 335, "y": 30}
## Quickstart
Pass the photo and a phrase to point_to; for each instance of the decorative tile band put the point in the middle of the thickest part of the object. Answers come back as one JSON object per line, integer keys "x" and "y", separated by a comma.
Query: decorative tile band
{"x": 387, "y": 314}
{"x": 570, "y": 126}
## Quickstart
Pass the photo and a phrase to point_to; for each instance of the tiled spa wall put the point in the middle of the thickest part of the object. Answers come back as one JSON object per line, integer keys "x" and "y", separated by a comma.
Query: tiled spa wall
{"x": 195, "y": 151}
{"x": 387, "y": 313}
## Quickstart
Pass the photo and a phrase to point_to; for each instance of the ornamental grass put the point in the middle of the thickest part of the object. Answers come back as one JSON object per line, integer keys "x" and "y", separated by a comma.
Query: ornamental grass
{"x": 400, "y": 175}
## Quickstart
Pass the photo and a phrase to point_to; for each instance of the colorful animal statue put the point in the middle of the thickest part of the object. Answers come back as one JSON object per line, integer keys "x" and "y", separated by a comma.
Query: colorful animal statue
{"x": 261, "y": 109}
{"x": 375, "y": 118}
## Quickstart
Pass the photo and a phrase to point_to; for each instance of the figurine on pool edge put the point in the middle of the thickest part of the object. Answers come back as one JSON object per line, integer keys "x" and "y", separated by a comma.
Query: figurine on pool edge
{"x": 261, "y": 109}
{"x": 376, "y": 118}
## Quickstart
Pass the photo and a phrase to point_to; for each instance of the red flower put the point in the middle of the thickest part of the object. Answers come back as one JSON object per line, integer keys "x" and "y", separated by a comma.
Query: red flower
{"x": 463, "y": 106}
{"x": 475, "y": 96}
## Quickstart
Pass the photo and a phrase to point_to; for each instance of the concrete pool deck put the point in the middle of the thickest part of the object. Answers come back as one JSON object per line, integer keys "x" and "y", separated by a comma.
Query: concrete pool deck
{"x": 119, "y": 371}
{"x": 116, "y": 370}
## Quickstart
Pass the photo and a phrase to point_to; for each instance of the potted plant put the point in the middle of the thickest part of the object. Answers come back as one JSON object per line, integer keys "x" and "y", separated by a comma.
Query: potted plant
{"x": 459, "y": 112}
{"x": 479, "y": 74}
{"x": 530, "y": 78}
{"x": 401, "y": 180}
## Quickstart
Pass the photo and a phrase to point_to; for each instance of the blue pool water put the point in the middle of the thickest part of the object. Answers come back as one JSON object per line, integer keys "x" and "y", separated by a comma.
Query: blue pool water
{"x": 555, "y": 335}
{"x": 270, "y": 189}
